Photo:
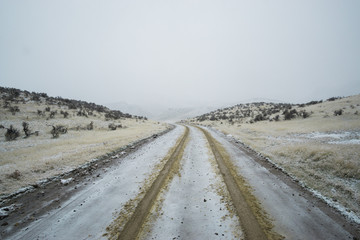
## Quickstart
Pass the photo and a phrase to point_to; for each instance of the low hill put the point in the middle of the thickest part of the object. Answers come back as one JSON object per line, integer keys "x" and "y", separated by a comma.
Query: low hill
{"x": 318, "y": 142}
{"x": 42, "y": 136}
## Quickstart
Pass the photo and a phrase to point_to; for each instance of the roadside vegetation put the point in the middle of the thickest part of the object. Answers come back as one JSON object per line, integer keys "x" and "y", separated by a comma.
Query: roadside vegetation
{"x": 42, "y": 136}
{"x": 317, "y": 142}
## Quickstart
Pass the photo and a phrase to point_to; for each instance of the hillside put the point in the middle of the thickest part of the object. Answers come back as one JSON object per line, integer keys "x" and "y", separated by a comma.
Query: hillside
{"x": 318, "y": 142}
{"x": 54, "y": 135}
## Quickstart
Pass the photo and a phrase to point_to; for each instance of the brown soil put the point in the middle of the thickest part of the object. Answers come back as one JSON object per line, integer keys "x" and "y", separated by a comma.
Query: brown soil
{"x": 252, "y": 217}
{"x": 135, "y": 223}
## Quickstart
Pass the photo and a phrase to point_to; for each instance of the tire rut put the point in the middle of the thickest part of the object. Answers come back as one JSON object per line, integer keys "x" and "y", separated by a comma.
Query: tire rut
{"x": 132, "y": 228}
{"x": 253, "y": 219}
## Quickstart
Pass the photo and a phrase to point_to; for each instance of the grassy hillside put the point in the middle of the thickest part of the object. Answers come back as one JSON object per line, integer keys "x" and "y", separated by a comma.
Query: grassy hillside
{"x": 85, "y": 132}
{"x": 317, "y": 142}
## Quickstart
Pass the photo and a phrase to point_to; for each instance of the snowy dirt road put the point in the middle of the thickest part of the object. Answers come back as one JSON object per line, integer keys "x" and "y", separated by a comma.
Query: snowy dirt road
{"x": 191, "y": 183}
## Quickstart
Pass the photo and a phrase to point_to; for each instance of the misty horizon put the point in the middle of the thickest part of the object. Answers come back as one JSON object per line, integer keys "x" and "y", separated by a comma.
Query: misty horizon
{"x": 181, "y": 54}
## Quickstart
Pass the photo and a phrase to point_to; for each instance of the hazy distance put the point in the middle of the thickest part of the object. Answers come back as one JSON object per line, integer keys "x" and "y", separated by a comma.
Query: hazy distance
{"x": 181, "y": 53}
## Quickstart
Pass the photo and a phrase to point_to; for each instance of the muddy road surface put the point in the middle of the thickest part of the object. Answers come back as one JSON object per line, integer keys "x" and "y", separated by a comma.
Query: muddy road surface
{"x": 190, "y": 183}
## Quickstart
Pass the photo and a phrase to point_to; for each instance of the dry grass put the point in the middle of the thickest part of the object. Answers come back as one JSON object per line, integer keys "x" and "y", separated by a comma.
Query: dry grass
{"x": 331, "y": 169}
{"x": 39, "y": 157}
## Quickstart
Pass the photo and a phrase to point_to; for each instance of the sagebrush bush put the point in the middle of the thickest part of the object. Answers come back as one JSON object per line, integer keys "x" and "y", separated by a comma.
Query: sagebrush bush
{"x": 64, "y": 113}
{"x": 305, "y": 114}
{"x": 259, "y": 117}
{"x": 90, "y": 126}
{"x": 40, "y": 113}
{"x": 52, "y": 114}
{"x": 112, "y": 126}
{"x": 338, "y": 112}
{"x": 26, "y": 129}
{"x": 14, "y": 110}
{"x": 11, "y": 133}
{"x": 288, "y": 115}
{"x": 58, "y": 129}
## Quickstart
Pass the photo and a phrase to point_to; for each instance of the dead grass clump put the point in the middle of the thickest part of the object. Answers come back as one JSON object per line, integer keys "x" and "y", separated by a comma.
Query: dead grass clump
{"x": 15, "y": 175}
{"x": 327, "y": 159}
{"x": 349, "y": 168}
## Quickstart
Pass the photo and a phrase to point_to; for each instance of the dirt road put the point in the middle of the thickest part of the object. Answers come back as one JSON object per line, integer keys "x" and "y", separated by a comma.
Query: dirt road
{"x": 191, "y": 183}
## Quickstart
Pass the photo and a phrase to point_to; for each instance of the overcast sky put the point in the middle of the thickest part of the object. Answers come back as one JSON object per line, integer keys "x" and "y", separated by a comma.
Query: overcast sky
{"x": 181, "y": 52}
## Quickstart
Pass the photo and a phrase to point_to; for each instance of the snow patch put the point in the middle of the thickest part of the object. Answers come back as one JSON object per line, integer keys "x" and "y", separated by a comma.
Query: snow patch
{"x": 335, "y": 135}
{"x": 5, "y": 211}
{"x": 342, "y": 137}
{"x": 66, "y": 181}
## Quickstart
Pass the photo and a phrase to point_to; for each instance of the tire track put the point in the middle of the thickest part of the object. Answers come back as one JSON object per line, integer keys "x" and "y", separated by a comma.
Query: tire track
{"x": 253, "y": 219}
{"x": 194, "y": 203}
{"x": 135, "y": 223}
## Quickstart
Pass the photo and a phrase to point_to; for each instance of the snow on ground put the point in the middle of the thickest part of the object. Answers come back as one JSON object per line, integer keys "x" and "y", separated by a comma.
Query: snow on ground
{"x": 195, "y": 204}
{"x": 294, "y": 216}
{"x": 40, "y": 157}
{"x": 310, "y": 150}
{"x": 87, "y": 214}
{"x": 338, "y": 137}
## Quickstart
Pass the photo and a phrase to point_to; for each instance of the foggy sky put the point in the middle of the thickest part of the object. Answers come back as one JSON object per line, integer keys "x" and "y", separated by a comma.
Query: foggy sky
{"x": 179, "y": 53}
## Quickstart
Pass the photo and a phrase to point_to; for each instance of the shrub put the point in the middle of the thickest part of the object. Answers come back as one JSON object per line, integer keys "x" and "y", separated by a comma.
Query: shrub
{"x": 313, "y": 102}
{"x": 338, "y": 112}
{"x": 65, "y": 114}
{"x": 114, "y": 114}
{"x": 35, "y": 98}
{"x": 333, "y": 99}
{"x": 82, "y": 113}
{"x": 112, "y": 126}
{"x": 26, "y": 129}
{"x": 11, "y": 133}
{"x": 201, "y": 118}
{"x": 14, "y": 109}
{"x": 288, "y": 115}
{"x": 40, "y": 113}
{"x": 6, "y": 104}
{"x": 305, "y": 114}
{"x": 14, "y": 93}
{"x": 212, "y": 118}
{"x": 58, "y": 129}
{"x": 259, "y": 117}
{"x": 90, "y": 126}
{"x": 52, "y": 114}
{"x": 72, "y": 106}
